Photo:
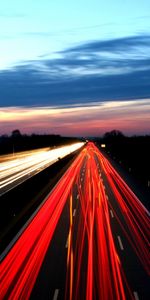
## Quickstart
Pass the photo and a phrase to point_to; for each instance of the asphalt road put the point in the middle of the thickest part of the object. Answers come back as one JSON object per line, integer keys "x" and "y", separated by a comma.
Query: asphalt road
{"x": 50, "y": 283}
{"x": 137, "y": 277}
{"x": 98, "y": 249}
{"x": 20, "y": 203}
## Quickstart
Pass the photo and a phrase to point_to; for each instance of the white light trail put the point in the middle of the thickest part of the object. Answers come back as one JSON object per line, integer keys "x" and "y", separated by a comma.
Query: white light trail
{"x": 31, "y": 163}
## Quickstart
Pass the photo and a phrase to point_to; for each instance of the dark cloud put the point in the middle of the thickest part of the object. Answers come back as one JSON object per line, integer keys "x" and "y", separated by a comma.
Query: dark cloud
{"x": 113, "y": 45}
{"x": 82, "y": 74}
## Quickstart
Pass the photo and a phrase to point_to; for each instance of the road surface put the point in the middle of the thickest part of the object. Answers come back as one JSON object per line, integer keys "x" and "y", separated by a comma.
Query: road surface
{"x": 89, "y": 240}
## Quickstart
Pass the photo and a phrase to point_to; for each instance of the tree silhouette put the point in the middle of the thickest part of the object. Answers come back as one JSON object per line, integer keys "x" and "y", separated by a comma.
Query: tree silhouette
{"x": 114, "y": 134}
{"x": 16, "y": 133}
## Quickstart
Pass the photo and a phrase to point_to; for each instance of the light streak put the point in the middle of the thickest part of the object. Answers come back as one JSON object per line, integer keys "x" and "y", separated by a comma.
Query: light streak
{"x": 98, "y": 272}
{"x": 30, "y": 163}
{"x": 70, "y": 253}
{"x": 94, "y": 268}
{"x": 135, "y": 215}
{"x": 19, "y": 269}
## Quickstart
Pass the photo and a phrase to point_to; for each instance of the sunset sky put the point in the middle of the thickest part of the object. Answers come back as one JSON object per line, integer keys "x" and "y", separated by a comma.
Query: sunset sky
{"x": 75, "y": 67}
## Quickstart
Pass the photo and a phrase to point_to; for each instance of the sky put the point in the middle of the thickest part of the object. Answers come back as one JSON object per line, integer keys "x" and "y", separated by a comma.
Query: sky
{"x": 75, "y": 67}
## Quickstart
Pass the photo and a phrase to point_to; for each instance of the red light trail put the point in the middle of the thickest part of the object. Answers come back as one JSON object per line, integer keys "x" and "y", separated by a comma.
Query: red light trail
{"x": 94, "y": 269}
{"x": 21, "y": 266}
{"x": 104, "y": 277}
{"x": 133, "y": 212}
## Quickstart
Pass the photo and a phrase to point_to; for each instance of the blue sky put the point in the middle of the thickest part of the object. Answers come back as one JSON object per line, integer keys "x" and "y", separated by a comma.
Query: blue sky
{"x": 58, "y": 55}
{"x": 30, "y": 29}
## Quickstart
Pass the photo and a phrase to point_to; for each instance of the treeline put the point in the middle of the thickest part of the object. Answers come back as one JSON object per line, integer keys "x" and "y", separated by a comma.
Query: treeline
{"x": 17, "y": 142}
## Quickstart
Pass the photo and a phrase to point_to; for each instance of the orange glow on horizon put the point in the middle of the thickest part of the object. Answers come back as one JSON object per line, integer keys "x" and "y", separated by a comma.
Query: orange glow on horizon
{"x": 95, "y": 119}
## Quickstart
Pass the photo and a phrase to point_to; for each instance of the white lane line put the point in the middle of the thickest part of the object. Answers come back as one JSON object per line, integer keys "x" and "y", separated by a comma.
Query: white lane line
{"x": 81, "y": 179}
{"x": 136, "y": 296}
{"x": 56, "y": 294}
{"x": 106, "y": 197}
{"x": 148, "y": 213}
{"x": 111, "y": 212}
{"x": 120, "y": 242}
{"x": 78, "y": 196}
{"x": 74, "y": 212}
{"x": 66, "y": 246}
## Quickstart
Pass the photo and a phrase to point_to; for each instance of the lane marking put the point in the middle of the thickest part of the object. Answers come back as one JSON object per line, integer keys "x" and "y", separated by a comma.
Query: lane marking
{"x": 106, "y": 197}
{"x": 136, "y": 296}
{"x": 74, "y": 212}
{"x": 120, "y": 242}
{"x": 66, "y": 246}
{"x": 111, "y": 212}
{"x": 56, "y": 294}
{"x": 148, "y": 213}
{"x": 78, "y": 196}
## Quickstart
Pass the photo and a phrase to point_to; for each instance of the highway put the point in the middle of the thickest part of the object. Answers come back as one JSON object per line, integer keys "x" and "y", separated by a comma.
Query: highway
{"x": 88, "y": 240}
{"x": 18, "y": 168}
